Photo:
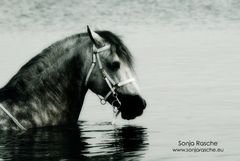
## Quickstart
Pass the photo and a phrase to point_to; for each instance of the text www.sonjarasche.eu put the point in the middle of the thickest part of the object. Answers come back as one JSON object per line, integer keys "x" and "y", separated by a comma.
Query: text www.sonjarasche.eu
{"x": 197, "y": 146}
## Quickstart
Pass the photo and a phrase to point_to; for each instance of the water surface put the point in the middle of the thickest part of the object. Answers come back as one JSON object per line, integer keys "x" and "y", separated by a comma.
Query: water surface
{"x": 76, "y": 142}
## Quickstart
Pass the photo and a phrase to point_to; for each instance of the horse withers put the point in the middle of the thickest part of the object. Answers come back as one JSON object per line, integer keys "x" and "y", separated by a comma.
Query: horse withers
{"x": 50, "y": 89}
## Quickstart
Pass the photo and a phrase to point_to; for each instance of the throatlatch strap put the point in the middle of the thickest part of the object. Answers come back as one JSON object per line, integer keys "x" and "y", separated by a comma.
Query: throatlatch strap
{"x": 13, "y": 118}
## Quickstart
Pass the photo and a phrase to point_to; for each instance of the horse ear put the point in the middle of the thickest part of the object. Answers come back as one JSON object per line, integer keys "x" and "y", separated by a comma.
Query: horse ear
{"x": 96, "y": 39}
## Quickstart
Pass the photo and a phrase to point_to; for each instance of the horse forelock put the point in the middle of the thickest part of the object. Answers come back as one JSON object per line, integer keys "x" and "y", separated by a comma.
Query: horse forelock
{"x": 121, "y": 49}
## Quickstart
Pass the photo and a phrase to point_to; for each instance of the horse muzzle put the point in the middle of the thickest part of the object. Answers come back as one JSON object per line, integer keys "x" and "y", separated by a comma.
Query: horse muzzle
{"x": 131, "y": 106}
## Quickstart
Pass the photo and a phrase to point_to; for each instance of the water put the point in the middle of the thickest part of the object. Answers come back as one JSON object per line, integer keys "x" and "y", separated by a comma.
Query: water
{"x": 85, "y": 141}
{"x": 187, "y": 60}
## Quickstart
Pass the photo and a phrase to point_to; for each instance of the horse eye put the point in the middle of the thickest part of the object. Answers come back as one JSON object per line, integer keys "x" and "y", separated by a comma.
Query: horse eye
{"x": 114, "y": 65}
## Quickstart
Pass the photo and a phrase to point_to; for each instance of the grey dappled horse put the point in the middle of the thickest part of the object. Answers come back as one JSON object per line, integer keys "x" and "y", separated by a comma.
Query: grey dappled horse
{"x": 50, "y": 89}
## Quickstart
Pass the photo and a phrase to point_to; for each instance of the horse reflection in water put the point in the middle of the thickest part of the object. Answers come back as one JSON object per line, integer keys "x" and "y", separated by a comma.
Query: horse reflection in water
{"x": 127, "y": 142}
{"x": 50, "y": 89}
{"x": 72, "y": 143}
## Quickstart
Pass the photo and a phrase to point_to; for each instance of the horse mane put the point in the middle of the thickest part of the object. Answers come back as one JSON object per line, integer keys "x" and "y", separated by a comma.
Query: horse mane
{"x": 121, "y": 49}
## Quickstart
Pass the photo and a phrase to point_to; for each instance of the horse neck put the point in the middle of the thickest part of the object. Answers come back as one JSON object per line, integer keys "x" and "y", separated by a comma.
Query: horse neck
{"x": 56, "y": 96}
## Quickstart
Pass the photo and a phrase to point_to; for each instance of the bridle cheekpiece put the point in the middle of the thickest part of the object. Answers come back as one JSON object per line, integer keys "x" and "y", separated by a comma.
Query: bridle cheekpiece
{"x": 116, "y": 103}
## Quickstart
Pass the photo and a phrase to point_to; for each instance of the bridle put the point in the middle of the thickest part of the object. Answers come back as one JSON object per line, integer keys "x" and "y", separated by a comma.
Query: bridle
{"x": 116, "y": 103}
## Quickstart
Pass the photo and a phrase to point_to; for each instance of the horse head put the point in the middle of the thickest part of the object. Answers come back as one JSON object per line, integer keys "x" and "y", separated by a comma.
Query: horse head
{"x": 111, "y": 75}
{"x": 50, "y": 88}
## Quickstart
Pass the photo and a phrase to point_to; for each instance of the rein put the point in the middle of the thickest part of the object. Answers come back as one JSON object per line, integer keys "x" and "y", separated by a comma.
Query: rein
{"x": 110, "y": 82}
{"x": 12, "y": 117}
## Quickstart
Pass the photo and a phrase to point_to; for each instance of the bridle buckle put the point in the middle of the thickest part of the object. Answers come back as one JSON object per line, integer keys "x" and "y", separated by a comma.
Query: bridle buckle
{"x": 103, "y": 101}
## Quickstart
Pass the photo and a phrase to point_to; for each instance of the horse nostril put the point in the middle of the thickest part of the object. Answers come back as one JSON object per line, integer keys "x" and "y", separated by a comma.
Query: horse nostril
{"x": 144, "y": 103}
{"x": 132, "y": 101}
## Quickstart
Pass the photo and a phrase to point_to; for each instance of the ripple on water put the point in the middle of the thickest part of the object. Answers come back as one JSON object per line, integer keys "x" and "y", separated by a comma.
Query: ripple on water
{"x": 75, "y": 142}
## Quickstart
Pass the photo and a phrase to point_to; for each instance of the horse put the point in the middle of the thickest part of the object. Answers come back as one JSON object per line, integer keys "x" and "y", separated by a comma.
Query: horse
{"x": 49, "y": 89}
